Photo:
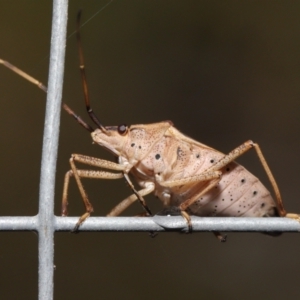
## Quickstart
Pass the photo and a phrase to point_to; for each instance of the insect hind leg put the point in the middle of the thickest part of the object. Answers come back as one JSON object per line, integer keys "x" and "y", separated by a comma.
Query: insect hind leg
{"x": 280, "y": 208}
{"x": 187, "y": 203}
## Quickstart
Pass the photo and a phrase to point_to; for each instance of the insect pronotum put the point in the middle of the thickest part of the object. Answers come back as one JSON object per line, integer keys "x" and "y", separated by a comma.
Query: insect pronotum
{"x": 181, "y": 172}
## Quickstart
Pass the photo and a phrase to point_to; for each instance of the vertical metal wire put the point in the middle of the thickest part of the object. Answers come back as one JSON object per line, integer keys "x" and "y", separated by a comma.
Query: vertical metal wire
{"x": 50, "y": 145}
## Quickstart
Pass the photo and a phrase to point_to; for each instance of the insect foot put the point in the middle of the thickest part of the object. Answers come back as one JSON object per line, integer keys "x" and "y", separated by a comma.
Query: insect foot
{"x": 220, "y": 237}
{"x": 293, "y": 216}
{"x": 174, "y": 212}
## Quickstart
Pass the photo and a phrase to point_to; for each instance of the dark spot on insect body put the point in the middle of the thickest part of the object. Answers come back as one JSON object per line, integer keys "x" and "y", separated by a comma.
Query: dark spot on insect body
{"x": 227, "y": 169}
{"x": 243, "y": 180}
{"x": 157, "y": 156}
{"x": 198, "y": 155}
{"x": 239, "y": 211}
{"x": 140, "y": 147}
{"x": 212, "y": 161}
{"x": 254, "y": 193}
{"x": 262, "y": 205}
{"x": 222, "y": 199}
{"x": 133, "y": 144}
{"x": 231, "y": 199}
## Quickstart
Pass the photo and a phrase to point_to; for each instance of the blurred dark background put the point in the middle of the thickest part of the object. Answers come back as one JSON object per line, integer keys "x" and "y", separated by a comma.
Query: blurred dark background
{"x": 222, "y": 71}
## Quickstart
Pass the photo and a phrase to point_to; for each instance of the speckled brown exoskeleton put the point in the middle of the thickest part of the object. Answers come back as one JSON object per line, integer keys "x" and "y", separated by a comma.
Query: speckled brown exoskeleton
{"x": 180, "y": 171}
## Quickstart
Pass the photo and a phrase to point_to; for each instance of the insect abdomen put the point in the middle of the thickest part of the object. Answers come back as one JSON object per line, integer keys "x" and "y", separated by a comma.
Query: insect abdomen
{"x": 238, "y": 194}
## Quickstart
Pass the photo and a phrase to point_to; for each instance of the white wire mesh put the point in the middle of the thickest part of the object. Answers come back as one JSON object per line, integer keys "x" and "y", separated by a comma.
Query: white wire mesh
{"x": 46, "y": 223}
{"x": 156, "y": 223}
{"x": 50, "y": 145}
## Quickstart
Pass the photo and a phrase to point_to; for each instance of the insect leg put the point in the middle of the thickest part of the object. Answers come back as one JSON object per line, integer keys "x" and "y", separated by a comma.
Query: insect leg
{"x": 119, "y": 208}
{"x": 263, "y": 161}
{"x": 188, "y": 202}
{"x": 231, "y": 156}
{"x": 240, "y": 151}
{"x": 282, "y": 212}
{"x": 220, "y": 237}
{"x": 88, "y": 174}
{"x": 84, "y": 174}
{"x": 204, "y": 176}
{"x": 138, "y": 195}
{"x": 213, "y": 178}
{"x": 97, "y": 162}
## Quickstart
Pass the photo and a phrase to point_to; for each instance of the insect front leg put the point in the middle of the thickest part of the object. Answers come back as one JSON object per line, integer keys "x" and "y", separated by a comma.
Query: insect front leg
{"x": 78, "y": 174}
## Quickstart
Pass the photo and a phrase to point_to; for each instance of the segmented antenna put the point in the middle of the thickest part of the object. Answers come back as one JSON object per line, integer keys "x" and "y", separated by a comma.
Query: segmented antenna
{"x": 44, "y": 88}
{"x": 77, "y": 118}
{"x": 90, "y": 111}
{"x": 23, "y": 74}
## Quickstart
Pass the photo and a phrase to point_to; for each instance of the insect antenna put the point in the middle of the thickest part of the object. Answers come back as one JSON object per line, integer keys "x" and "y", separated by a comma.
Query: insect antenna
{"x": 44, "y": 88}
{"x": 90, "y": 111}
{"x": 77, "y": 118}
{"x": 23, "y": 74}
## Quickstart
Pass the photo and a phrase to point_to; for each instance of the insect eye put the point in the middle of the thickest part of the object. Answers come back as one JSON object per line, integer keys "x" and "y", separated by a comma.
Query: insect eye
{"x": 122, "y": 129}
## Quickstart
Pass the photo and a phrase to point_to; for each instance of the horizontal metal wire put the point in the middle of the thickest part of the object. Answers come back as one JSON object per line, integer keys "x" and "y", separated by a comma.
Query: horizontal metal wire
{"x": 18, "y": 223}
{"x": 156, "y": 223}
